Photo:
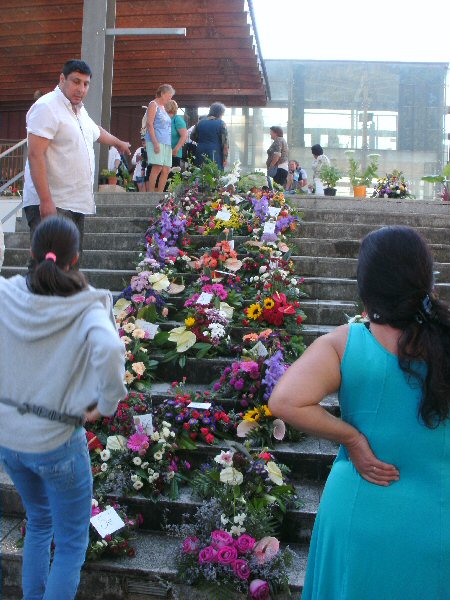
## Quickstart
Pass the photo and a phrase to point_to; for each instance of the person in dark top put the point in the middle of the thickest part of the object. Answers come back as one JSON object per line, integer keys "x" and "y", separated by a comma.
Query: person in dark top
{"x": 211, "y": 137}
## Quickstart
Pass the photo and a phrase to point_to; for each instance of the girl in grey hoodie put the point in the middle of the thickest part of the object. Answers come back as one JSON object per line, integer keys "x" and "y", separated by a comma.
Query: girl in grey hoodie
{"x": 61, "y": 362}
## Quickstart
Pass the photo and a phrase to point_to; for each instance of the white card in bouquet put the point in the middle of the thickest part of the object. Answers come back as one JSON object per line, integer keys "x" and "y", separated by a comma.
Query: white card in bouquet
{"x": 205, "y": 298}
{"x": 260, "y": 350}
{"x": 202, "y": 405}
{"x": 231, "y": 242}
{"x": 269, "y": 227}
{"x": 150, "y": 328}
{"x": 237, "y": 199}
{"x": 223, "y": 215}
{"x": 146, "y": 421}
{"x": 274, "y": 211}
{"x": 107, "y": 522}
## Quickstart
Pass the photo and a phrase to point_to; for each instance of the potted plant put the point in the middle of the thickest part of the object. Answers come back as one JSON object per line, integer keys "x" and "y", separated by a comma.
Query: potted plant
{"x": 111, "y": 176}
{"x": 359, "y": 179}
{"x": 444, "y": 179}
{"x": 330, "y": 175}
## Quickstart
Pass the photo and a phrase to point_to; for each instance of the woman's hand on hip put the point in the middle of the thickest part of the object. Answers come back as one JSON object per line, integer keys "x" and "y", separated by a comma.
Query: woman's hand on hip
{"x": 367, "y": 464}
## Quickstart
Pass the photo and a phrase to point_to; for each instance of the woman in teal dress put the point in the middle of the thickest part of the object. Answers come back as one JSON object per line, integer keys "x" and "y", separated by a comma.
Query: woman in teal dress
{"x": 383, "y": 526}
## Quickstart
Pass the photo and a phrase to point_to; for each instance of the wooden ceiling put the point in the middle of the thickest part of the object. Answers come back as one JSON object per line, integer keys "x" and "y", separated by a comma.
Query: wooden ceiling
{"x": 218, "y": 60}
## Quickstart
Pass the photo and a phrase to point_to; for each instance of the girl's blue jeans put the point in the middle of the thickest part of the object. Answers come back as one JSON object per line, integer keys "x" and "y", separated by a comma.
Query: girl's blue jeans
{"x": 56, "y": 490}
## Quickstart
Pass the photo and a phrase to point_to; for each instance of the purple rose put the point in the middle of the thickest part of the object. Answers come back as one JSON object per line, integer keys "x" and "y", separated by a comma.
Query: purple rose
{"x": 241, "y": 568}
{"x": 220, "y": 538}
{"x": 244, "y": 543}
{"x": 191, "y": 545}
{"x": 259, "y": 590}
{"x": 207, "y": 555}
{"x": 227, "y": 555}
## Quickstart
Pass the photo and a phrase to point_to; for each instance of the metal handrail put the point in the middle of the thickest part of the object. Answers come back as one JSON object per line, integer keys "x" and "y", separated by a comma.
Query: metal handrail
{"x": 12, "y": 180}
{"x": 15, "y": 147}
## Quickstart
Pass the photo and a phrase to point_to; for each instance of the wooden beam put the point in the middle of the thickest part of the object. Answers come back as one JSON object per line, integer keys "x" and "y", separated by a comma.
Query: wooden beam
{"x": 138, "y": 7}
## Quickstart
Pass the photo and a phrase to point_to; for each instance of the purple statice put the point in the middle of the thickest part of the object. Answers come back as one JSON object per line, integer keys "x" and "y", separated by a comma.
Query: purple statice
{"x": 261, "y": 207}
{"x": 269, "y": 237}
{"x": 284, "y": 223}
{"x": 275, "y": 368}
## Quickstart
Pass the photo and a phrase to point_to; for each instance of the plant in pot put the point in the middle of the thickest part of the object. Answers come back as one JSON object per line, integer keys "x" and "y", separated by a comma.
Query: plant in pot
{"x": 444, "y": 179}
{"x": 359, "y": 179}
{"x": 330, "y": 175}
{"x": 111, "y": 176}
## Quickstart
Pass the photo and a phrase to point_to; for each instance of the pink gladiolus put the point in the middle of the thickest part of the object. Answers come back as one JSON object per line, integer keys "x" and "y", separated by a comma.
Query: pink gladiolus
{"x": 207, "y": 555}
{"x": 220, "y": 538}
{"x": 259, "y": 590}
{"x": 191, "y": 545}
{"x": 266, "y": 549}
{"x": 241, "y": 568}
{"x": 244, "y": 543}
{"x": 226, "y": 555}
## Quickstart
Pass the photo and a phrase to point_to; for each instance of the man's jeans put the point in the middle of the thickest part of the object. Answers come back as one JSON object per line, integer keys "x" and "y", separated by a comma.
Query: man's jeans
{"x": 34, "y": 218}
{"x": 56, "y": 490}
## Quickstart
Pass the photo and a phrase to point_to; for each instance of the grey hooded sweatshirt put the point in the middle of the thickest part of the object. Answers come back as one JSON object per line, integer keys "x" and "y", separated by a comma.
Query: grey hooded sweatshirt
{"x": 60, "y": 353}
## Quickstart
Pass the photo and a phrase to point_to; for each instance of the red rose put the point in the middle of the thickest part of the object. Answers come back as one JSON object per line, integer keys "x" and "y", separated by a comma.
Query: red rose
{"x": 186, "y": 426}
{"x": 209, "y": 438}
{"x": 204, "y": 430}
{"x": 193, "y": 435}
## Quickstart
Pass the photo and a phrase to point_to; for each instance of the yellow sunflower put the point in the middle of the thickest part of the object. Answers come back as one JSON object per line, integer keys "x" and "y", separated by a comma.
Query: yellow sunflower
{"x": 254, "y": 311}
{"x": 252, "y": 415}
{"x": 189, "y": 321}
{"x": 266, "y": 410}
{"x": 269, "y": 303}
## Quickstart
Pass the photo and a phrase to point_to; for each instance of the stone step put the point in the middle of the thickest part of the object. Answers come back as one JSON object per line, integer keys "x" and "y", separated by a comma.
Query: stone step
{"x": 377, "y": 205}
{"x": 378, "y": 219}
{"x": 297, "y": 525}
{"x": 111, "y": 225}
{"x": 150, "y": 575}
{"x": 126, "y": 198}
{"x": 92, "y": 241}
{"x": 92, "y": 259}
{"x": 336, "y": 248}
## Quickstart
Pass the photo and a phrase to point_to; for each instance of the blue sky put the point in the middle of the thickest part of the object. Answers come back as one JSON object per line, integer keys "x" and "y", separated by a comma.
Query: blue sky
{"x": 385, "y": 30}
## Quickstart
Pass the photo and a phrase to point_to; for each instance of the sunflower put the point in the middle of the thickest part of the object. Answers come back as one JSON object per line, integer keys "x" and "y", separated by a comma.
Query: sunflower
{"x": 266, "y": 410}
{"x": 269, "y": 303}
{"x": 252, "y": 415}
{"x": 189, "y": 321}
{"x": 254, "y": 311}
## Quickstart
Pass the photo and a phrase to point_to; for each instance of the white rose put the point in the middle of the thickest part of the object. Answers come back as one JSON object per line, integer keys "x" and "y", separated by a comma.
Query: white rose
{"x": 144, "y": 465}
{"x": 293, "y": 281}
{"x": 170, "y": 475}
{"x": 231, "y": 476}
{"x": 166, "y": 432}
{"x": 105, "y": 454}
{"x": 104, "y": 467}
{"x": 155, "y": 436}
{"x": 137, "y": 461}
{"x": 262, "y": 269}
{"x": 134, "y": 478}
{"x": 166, "y": 424}
{"x": 172, "y": 434}
{"x": 158, "y": 455}
{"x": 138, "y": 484}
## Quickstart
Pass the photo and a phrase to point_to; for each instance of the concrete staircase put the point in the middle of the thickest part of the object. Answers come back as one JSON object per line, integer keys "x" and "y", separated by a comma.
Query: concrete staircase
{"x": 325, "y": 255}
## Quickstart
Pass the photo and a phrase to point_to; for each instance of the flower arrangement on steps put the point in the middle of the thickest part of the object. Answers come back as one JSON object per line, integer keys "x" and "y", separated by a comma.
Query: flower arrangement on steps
{"x": 188, "y": 298}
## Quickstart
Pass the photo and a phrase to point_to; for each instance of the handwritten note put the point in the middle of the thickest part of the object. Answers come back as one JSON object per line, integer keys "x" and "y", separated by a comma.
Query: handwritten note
{"x": 223, "y": 215}
{"x": 107, "y": 522}
{"x": 274, "y": 211}
{"x": 260, "y": 350}
{"x": 201, "y": 405}
{"x": 146, "y": 422}
{"x": 269, "y": 227}
{"x": 205, "y": 298}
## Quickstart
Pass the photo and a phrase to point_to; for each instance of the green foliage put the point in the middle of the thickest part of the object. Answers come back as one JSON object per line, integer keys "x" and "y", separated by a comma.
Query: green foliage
{"x": 360, "y": 177}
{"x": 330, "y": 175}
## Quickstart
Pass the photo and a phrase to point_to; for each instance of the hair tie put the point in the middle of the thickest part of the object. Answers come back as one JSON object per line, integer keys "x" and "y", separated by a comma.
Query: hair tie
{"x": 50, "y": 256}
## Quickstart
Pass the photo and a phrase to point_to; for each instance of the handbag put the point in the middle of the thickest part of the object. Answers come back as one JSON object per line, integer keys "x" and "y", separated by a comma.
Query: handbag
{"x": 272, "y": 171}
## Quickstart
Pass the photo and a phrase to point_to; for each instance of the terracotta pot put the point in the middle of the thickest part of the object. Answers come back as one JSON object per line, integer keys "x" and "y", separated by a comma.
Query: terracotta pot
{"x": 112, "y": 180}
{"x": 359, "y": 191}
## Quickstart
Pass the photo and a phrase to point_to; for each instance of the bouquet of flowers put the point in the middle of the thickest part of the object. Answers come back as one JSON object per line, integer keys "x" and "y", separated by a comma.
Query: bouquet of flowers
{"x": 123, "y": 421}
{"x": 251, "y": 484}
{"x": 276, "y": 310}
{"x": 393, "y": 185}
{"x": 193, "y": 425}
{"x": 221, "y": 257}
{"x": 259, "y": 426}
{"x": 142, "y": 462}
{"x": 111, "y": 546}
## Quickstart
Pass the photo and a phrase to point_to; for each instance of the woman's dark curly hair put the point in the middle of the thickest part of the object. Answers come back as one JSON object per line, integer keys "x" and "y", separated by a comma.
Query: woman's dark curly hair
{"x": 395, "y": 282}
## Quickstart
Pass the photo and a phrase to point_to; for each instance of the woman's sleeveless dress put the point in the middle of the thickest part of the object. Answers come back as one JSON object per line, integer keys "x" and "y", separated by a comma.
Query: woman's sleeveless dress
{"x": 377, "y": 543}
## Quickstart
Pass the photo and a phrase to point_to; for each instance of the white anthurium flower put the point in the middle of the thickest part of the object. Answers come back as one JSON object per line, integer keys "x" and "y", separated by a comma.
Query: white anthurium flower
{"x": 227, "y": 310}
{"x": 159, "y": 281}
{"x": 279, "y": 429}
{"x": 120, "y": 306}
{"x": 116, "y": 442}
{"x": 231, "y": 476}
{"x": 275, "y": 475}
{"x": 183, "y": 338}
{"x": 244, "y": 428}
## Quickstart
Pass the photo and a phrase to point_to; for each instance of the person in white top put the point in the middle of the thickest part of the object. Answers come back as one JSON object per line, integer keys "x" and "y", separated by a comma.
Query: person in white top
{"x": 139, "y": 161}
{"x": 114, "y": 159}
{"x": 59, "y": 174}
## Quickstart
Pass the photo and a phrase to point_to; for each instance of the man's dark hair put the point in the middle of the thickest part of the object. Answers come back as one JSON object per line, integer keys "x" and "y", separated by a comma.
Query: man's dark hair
{"x": 317, "y": 150}
{"x": 78, "y": 66}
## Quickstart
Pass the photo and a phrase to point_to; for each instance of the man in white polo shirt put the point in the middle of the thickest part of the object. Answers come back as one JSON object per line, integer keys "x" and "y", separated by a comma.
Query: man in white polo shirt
{"x": 59, "y": 174}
